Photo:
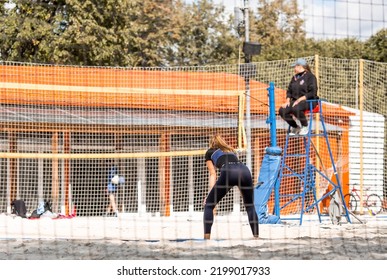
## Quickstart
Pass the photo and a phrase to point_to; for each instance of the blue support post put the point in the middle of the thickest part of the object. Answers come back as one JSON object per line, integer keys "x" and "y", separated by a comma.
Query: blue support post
{"x": 272, "y": 118}
{"x": 273, "y": 142}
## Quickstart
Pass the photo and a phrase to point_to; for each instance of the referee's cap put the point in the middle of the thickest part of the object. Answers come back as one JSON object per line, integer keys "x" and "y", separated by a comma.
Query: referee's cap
{"x": 299, "y": 61}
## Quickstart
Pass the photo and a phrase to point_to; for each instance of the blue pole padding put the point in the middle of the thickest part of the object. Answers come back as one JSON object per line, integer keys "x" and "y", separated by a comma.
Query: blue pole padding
{"x": 273, "y": 142}
{"x": 268, "y": 177}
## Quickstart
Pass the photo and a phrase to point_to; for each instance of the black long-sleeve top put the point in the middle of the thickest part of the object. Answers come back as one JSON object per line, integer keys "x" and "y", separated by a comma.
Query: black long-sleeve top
{"x": 302, "y": 84}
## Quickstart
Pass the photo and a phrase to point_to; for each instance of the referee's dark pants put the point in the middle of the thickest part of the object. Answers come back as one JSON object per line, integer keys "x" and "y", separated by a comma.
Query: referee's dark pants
{"x": 298, "y": 111}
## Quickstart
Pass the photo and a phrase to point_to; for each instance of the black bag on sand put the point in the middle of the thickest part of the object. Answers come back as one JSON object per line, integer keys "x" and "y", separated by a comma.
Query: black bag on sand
{"x": 19, "y": 208}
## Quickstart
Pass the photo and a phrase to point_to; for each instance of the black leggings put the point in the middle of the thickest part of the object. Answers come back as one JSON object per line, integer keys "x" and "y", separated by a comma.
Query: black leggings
{"x": 236, "y": 174}
{"x": 298, "y": 111}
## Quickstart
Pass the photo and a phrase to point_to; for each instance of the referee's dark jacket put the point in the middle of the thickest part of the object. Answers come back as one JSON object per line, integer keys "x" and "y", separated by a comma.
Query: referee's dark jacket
{"x": 302, "y": 84}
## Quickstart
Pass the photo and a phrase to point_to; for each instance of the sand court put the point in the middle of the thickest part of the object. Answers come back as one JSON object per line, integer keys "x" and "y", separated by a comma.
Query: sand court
{"x": 158, "y": 238}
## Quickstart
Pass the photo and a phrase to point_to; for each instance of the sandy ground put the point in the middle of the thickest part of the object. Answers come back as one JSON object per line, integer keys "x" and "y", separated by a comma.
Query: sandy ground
{"x": 166, "y": 238}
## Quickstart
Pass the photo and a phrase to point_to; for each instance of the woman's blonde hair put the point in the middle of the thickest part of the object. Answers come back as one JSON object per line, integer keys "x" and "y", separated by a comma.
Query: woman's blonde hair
{"x": 217, "y": 142}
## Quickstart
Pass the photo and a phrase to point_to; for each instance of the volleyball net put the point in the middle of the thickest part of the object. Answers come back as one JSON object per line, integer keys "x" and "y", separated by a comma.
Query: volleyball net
{"x": 62, "y": 124}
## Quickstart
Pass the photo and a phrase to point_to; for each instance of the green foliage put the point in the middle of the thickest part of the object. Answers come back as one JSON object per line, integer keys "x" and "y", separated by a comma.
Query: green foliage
{"x": 202, "y": 36}
{"x": 116, "y": 33}
{"x": 150, "y": 33}
{"x": 376, "y": 47}
{"x": 277, "y": 23}
{"x": 341, "y": 48}
{"x": 279, "y": 28}
{"x": 27, "y": 31}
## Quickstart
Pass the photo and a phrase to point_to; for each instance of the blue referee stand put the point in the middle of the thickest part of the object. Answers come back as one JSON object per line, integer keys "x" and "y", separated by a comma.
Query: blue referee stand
{"x": 307, "y": 178}
{"x": 274, "y": 169}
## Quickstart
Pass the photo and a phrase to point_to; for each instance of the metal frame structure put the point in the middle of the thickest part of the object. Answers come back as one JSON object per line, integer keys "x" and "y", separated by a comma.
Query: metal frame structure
{"x": 308, "y": 177}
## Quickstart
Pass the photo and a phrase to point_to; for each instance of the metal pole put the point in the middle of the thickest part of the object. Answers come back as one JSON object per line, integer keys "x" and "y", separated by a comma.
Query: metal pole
{"x": 246, "y": 14}
{"x": 272, "y": 118}
{"x": 247, "y": 60}
{"x": 273, "y": 142}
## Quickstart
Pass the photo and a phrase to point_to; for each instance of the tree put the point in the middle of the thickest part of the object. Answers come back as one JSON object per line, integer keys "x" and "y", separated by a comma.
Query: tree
{"x": 278, "y": 24}
{"x": 87, "y": 36}
{"x": 202, "y": 35}
{"x": 340, "y": 48}
{"x": 27, "y": 30}
{"x": 111, "y": 33}
{"x": 148, "y": 33}
{"x": 376, "y": 47}
{"x": 115, "y": 33}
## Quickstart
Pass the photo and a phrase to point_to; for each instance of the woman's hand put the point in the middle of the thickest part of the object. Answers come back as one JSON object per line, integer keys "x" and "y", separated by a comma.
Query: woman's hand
{"x": 302, "y": 98}
{"x": 286, "y": 104}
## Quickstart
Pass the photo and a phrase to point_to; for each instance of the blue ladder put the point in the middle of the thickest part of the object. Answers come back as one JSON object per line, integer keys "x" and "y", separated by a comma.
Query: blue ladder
{"x": 308, "y": 175}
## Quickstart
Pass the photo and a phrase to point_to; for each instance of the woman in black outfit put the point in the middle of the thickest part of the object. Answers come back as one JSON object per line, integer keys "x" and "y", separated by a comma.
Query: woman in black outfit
{"x": 232, "y": 173}
{"x": 302, "y": 87}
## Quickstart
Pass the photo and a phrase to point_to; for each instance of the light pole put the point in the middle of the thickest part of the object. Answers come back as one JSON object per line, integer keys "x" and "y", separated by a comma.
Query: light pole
{"x": 248, "y": 71}
{"x": 247, "y": 82}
